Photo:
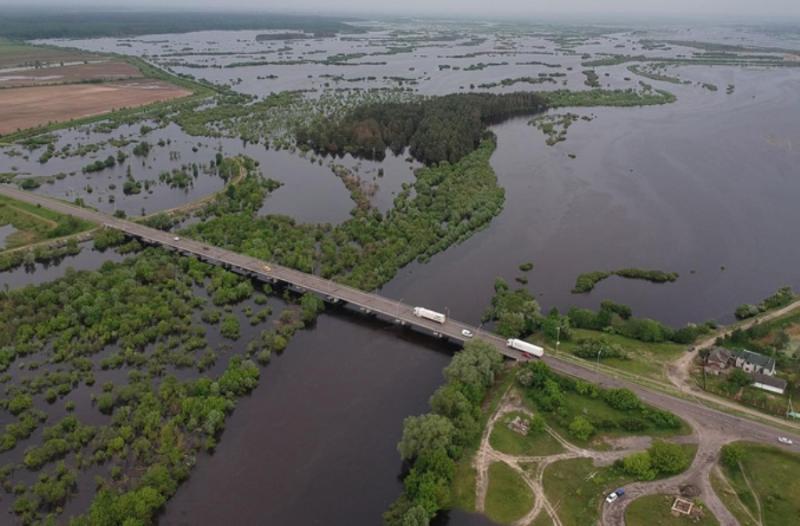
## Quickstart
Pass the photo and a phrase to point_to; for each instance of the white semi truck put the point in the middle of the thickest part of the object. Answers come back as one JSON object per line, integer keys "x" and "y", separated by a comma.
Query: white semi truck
{"x": 528, "y": 348}
{"x": 428, "y": 314}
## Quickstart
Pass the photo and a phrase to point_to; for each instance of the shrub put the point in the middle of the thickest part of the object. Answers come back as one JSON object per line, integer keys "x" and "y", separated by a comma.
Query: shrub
{"x": 581, "y": 428}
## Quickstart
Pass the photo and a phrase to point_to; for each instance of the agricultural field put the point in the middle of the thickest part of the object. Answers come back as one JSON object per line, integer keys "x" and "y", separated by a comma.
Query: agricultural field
{"x": 42, "y": 86}
{"x": 85, "y": 72}
{"x": 22, "y": 108}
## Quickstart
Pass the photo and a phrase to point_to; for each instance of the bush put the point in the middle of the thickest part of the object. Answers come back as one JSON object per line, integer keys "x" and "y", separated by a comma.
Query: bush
{"x": 592, "y": 348}
{"x": 639, "y": 466}
{"x": 622, "y": 399}
{"x": 668, "y": 458}
{"x": 229, "y": 327}
{"x": 581, "y": 428}
{"x": 731, "y": 455}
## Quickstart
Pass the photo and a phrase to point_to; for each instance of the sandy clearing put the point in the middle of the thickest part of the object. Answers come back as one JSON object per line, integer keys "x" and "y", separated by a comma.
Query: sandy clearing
{"x": 22, "y": 108}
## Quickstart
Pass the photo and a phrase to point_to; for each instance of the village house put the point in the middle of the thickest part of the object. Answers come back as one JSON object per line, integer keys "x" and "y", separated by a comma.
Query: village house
{"x": 751, "y": 362}
{"x": 760, "y": 367}
{"x": 769, "y": 383}
{"x": 719, "y": 359}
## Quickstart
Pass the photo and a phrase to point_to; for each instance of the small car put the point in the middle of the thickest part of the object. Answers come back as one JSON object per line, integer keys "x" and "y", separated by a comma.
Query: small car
{"x": 785, "y": 440}
{"x": 176, "y": 238}
{"x": 612, "y": 497}
{"x": 267, "y": 268}
{"x": 467, "y": 333}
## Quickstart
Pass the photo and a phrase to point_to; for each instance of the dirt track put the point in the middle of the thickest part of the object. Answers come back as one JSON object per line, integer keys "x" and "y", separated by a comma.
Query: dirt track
{"x": 697, "y": 474}
{"x": 22, "y": 108}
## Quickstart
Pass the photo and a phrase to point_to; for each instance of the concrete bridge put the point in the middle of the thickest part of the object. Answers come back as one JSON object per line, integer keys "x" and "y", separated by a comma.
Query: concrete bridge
{"x": 330, "y": 291}
{"x": 699, "y": 414}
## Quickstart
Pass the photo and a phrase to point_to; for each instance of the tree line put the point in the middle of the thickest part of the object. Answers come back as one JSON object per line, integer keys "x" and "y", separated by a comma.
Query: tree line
{"x": 436, "y": 129}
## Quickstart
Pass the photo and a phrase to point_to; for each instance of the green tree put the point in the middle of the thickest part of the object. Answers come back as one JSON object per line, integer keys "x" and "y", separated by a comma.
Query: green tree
{"x": 639, "y": 465}
{"x": 668, "y": 458}
{"x": 581, "y": 428}
{"x": 732, "y": 454}
{"x": 424, "y": 433}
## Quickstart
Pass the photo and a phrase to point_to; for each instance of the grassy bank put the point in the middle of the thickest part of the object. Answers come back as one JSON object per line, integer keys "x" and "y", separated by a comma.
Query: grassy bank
{"x": 647, "y": 359}
{"x": 33, "y": 223}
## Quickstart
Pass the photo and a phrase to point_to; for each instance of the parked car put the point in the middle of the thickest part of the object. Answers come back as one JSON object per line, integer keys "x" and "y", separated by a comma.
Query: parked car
{"x": 785, "y": 440}
{"x": 612, "y": 497}
{"x": 466, "y": 333}
{"x": 176, "y": 238}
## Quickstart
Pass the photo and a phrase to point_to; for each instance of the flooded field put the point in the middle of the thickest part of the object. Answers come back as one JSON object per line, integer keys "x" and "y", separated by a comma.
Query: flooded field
{"x": 705, "y": 187}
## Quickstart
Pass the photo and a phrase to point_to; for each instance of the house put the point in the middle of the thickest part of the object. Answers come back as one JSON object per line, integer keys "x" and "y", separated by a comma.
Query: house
{"x": 769, "y": 383}
{"x": 752, "y": 362}
{"x": 719, "y": 359}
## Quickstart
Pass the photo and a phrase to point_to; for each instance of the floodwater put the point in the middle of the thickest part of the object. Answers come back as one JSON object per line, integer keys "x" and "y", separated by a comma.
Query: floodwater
{"x": 705, "y": 187}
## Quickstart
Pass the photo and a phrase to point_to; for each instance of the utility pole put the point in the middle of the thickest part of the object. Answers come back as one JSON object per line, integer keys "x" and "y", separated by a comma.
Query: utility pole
{"x": 598, "y": 359}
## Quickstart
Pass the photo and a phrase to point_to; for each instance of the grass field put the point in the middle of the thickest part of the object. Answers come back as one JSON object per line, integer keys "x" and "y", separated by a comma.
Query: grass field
{"x": 462, "y": 491}
{"x": 576, "y": 488}
{"x": 33, "y": 224}
{"x": 767, "y": 484}
{"x": 535, "y": 443}
{"x": 654, "y": 510}
{"x": 646, "y": 359}
{"x": 543, "y": 519}
{"x": 508, "y": 497}
{"x": 731, "y": 501}
{"x": 578, "y": 405}
{"x": 30, "y": 107}
{"x": 17, "y": 54}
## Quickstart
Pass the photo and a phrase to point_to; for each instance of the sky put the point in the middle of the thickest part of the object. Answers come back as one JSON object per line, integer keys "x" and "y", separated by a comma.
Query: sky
{"x": 496, "y": 8}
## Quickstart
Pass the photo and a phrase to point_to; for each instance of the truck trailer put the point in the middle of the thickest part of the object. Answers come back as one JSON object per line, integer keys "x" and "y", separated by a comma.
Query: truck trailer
{"x": 528, "y": 348}
{"x": 428, "y": 314}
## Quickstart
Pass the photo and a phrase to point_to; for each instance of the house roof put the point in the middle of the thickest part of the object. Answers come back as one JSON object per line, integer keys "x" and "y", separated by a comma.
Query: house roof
{"x": 772, "y": 381}
{"x": 719, "y": 354}
{"x": 758, "y": 359}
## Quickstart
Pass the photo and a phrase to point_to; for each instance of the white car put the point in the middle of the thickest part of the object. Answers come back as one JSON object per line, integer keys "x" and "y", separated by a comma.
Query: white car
{"x": 176, "y": 238}
{"x": 785, "y": 440}
{"x": 467, "y": 333}
{"x": 612, "y": 497}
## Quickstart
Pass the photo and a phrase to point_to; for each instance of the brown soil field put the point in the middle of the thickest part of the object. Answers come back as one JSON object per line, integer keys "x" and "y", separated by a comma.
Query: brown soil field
{"x": 22, "y": 108}
{"x": 106, "y": 70}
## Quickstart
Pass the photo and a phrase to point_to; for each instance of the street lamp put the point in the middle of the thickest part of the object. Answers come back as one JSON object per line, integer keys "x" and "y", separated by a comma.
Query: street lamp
{"x": 558, "y": 337}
